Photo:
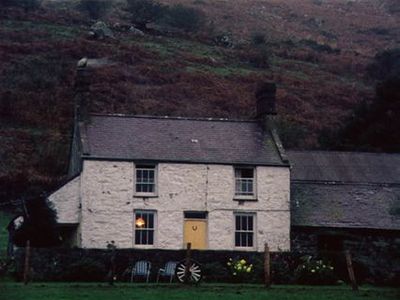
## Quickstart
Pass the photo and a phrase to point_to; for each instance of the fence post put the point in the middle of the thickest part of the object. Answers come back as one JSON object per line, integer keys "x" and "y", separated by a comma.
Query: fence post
{"x": 112, "y": 267}
{"x": 350, "y": 270}
{"x": 267, "y": 266}
{"x": 27, "y": 262}
{"x": 187, "y": 262}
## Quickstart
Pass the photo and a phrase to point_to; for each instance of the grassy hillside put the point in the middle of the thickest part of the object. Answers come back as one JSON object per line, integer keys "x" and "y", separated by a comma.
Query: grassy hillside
{"x": 316, "y": 52}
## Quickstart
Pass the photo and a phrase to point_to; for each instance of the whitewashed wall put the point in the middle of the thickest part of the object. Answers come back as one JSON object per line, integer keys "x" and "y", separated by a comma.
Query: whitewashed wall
{"x": 108, "y": 202}
{"x": 66, "y": 201}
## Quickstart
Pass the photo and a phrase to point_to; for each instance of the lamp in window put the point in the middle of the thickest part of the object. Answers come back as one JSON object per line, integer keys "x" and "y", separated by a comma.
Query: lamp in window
{"x": 139, "y": 222}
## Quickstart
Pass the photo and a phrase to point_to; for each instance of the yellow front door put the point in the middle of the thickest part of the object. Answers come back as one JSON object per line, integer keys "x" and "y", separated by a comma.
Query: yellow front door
{"x": 195, "y": 232}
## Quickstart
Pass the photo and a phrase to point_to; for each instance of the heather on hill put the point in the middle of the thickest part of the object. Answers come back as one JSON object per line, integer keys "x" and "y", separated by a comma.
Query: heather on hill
{"x": 318, "y": 53}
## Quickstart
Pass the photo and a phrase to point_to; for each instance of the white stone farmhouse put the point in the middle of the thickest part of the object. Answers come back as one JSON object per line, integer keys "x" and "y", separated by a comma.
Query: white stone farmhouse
{"x": 161, "y": 182}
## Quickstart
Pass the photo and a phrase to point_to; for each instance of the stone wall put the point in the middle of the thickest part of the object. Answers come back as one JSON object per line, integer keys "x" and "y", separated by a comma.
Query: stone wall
{"x": 375, "y": 253}
{"x": 108, "y": 203}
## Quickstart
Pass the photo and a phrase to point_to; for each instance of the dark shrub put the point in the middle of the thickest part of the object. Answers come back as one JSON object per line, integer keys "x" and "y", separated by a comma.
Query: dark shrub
{"x": 258, "y": 38}
{"x": 259, "y": 57}
{"x": 35, "y": 73}
{"x": 40, "y": 225}
{"x": 215, "y": 272}
{"x": 86, "y": 269}
{"x": 319, "y": 47}
{"x": 94, "y": 8}
{"x": 282, "y": 268}
{"x": 185, "y": 18}
{"x": 28, "y": 5}
{"x": 386, "y": 64}
{"x": 316, "y": 272}
{"x": 144, "y": 12}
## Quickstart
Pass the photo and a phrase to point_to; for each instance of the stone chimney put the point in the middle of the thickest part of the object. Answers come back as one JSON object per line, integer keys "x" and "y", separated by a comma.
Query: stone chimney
{"x": 82, "y": 93}
{"x": 266, "y": 98}
{"x": 266, "y": 112}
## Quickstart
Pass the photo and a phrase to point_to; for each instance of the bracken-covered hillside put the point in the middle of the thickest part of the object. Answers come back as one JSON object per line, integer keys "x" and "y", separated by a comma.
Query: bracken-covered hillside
{"x": 315, "y": 50}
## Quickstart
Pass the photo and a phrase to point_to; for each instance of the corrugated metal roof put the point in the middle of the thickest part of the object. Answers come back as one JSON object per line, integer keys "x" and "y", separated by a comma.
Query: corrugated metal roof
{"x": 180, "y": 140}
{"x": 334, "y": 166}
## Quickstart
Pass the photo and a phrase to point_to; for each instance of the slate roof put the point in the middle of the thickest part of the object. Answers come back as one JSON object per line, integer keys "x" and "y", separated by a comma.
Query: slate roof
{"x": 345, "y": 206}
{"x": 179, "y": 140}
{"x": 349, "y": 167}
{"x": 345, "y": 190}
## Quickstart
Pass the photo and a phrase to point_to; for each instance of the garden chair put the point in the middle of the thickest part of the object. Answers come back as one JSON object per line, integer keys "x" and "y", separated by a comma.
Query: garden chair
{"x": 168, "y": 271}
{"x": 141, "y": 268}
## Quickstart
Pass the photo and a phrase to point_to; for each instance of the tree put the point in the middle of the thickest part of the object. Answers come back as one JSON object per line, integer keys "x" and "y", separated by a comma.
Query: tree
{"x": 144, "y": 12}
{"x": 40, "y": 224}
{"x": 27, "y": 5}
{"x": 183, "y": 17}
{"x": 374, "y": 125}
{"x": 95, "y": 8}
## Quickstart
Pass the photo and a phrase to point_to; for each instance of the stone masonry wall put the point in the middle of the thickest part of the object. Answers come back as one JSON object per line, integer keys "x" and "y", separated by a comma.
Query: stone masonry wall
{"x": 108, "y": 203}
{"x": 66, "y": 201}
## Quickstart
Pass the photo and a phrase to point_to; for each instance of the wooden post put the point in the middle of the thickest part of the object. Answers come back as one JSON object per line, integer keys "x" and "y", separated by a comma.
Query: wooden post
{"x": 267, "y": 266}
{"x": 350, "y": 270}
{"x": 187, "y": 262}
{"x": 27, "y": 262}
{"x": 112, "y": 268}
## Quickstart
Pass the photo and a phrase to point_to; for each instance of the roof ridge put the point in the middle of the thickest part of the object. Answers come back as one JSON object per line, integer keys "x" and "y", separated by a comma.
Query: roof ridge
{"x": 343, "y": 152}
{"x": 174, "y": 118}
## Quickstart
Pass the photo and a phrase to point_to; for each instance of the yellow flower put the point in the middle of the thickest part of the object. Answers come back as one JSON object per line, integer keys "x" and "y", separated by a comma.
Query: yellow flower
{"x": 229, "y": 264}
{"x": 243, "y": 262}
{"x": 248, "y": 270}
{"x": 239, "y": 268}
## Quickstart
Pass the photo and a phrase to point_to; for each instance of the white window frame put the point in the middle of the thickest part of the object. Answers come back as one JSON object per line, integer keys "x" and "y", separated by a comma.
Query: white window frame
{"x": 147, "y": 167}
{"x": 242, "y": 195}
{"x": 153, "y": 229}
{"x": 253, "y": 231}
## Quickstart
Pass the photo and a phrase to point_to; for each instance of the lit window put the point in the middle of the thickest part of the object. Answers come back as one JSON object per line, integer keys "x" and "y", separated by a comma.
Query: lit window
{"x": 244, "y": 230}
{"x": 144, "y": 227}
{"x": 146, "y": 179}
{"x": 244, "y": 182}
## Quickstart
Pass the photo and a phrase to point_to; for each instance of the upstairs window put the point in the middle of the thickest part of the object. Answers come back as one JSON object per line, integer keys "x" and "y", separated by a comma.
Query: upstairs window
{"x": 145, "y": 179}
{"x": 244, "y": 230}
{"x": 244, "y": 182}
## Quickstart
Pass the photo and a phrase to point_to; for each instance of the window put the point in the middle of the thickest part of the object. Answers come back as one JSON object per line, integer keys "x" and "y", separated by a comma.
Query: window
{"x": 195, "y": 215}
{"x": 146, "y": 179}
{"x": 144, "y": 227}
{"x": 244, "y": 182}
{"x": 244, "y": 230}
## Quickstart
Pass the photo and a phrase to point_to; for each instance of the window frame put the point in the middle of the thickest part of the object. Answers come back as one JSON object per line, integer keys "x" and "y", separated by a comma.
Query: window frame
{"x": 135, "y": 230}
{"x": 254, "y": 231}
{"x": 149, "y": 166}
{"x": 237, "y": 196}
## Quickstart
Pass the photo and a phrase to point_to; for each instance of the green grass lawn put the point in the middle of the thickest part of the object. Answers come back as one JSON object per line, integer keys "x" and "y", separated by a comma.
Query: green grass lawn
{"x": 71, "y": 291}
